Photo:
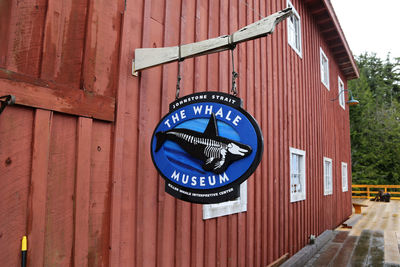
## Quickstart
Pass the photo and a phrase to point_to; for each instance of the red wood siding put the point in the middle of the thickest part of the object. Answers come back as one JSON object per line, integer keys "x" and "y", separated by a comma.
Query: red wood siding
{"x": 85, "y": 191}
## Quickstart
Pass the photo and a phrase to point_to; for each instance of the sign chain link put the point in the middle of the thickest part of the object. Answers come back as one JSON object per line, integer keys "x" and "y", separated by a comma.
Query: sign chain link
{"x": 178, "y": 78}
{"x": 234, "y": 73}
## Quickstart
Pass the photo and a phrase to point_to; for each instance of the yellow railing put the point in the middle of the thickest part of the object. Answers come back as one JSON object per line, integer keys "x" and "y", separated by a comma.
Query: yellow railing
{"x": 369, "y": 191}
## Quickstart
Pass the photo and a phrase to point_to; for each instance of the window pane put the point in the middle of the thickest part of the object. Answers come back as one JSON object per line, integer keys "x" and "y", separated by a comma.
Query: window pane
{"x": 324, "y": 63}
{"x": 328, "y": 183}
{"x": 297, "y": 175}
{"x": 294, "y": 30}
{"x": 344, "y": 177}
{"x": 341, "y": 92}
{"x": 324, "y": 69}
{"x": 299, "y": 184}
{"x": 299, "y": 162}
{"x": 297, "y": 33}
{"x": 294, "y": 163}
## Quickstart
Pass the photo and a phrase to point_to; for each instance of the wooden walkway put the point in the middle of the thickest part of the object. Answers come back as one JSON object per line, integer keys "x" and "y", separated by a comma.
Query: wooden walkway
{"x": 373, "y": 241}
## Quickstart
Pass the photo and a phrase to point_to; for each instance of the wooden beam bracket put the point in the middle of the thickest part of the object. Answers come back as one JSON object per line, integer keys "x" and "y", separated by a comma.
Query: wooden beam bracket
{"x": 151, "y": 57}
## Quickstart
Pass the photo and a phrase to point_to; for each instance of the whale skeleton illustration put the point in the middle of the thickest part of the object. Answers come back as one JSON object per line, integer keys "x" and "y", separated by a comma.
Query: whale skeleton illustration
{"x": 215, "y": 151}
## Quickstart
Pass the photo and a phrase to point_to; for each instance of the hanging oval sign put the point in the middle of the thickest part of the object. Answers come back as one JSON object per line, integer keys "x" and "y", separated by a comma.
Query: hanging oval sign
{"x": 206, "y": 146}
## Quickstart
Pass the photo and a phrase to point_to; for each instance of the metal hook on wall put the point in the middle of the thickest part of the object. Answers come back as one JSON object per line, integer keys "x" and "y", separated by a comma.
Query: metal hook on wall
{"x": 8, "y": 100}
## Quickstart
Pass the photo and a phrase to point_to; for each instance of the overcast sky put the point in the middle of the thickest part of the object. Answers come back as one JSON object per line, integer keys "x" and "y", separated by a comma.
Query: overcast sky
{"x": 370, "y": 25}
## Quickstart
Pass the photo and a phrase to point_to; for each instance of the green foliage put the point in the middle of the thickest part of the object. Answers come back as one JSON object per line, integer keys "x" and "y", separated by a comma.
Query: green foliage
{"x": 375, "y": 122}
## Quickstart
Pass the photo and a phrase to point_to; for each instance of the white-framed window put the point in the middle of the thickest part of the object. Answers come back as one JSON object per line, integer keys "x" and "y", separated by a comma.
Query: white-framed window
{"x": 294, "y": 30}
{"x": 341, "y": 93}
{"x": 344, "y": 177}
{"x": 228, "y": 207}
{"x": 297, "y": 174}
{"x": 324, "y": 62}
{"x": 327, "y": 176}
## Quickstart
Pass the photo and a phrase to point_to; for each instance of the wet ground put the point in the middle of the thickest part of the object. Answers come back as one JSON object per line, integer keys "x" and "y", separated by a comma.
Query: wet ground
{"x": 373, "y": 241}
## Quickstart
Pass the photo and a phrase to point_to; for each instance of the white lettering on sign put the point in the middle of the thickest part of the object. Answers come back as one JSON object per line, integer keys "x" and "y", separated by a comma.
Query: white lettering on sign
{"x": 173, "y": 187}
{"x": 175, "y": 176}
{"x": 205, "y": 195}
{"x": 203, "y": 181}
{"x": 223, "y": 179}
{"x": 226, "y": 191}
{"x": 208, "y": 110}
{"x": 211, "y": 182}
{"x": 228, "y": 118}
{"x": 194, "y": 181}
{"x": 223, "y": 98}
{"x": 219, "y": 113}
{"x": 175, "y": 118}
{"x": 185, "y": 192}
{"x": 197, "y": 109}
{"x": 236, "y": 120}
{"x": 183, "y": 115}
{"x": 189, "y": 99}
{"x": 185, "y": 179}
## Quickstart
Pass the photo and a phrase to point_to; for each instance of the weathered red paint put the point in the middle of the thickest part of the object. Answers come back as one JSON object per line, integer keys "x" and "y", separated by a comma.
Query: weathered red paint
{"x": 82, "y": 191}
{"x": 16, "y": 149}
{"x": 41, "y": 94}
{"x": 38, "y": 187}
{"x": 85, "y": 191}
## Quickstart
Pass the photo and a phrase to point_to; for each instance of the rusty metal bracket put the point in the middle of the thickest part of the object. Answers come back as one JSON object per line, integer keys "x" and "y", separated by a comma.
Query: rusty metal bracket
{"x": 6, "y": 100}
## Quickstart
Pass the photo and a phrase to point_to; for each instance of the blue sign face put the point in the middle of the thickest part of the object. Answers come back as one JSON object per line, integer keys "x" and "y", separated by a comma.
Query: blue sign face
{"x": 206, "y": 146}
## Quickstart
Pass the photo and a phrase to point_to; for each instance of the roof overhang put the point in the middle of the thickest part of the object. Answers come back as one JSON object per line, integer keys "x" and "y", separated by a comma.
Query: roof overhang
{"x": 329, "y": 26}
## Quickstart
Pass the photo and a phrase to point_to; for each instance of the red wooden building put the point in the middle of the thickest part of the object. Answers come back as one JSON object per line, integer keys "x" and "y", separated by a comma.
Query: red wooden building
{"x": 76, "y": 175}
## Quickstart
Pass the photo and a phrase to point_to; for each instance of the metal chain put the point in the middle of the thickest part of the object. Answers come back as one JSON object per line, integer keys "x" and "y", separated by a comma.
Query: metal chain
{"x": 178, "y": 78}
{"x": 234, "y": 73}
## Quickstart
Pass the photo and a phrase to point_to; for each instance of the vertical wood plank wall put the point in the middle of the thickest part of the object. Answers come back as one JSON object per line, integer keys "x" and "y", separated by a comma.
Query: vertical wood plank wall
{"x": 86, "y": 192}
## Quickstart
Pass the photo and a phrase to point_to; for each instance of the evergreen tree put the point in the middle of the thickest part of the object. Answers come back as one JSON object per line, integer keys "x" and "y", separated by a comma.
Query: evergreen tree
{"x": 375, "y": 122}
